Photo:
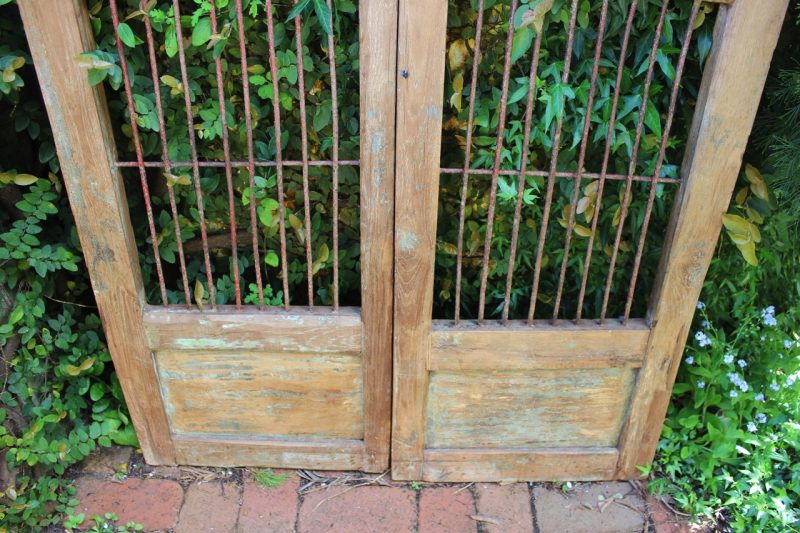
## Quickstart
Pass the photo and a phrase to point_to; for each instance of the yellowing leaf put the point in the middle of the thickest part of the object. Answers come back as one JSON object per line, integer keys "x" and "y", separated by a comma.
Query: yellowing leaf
{"x": 446, "y": 247}
{"x": 323, "y": 253}
{"x": 591, "y": 188}
{"x": 754, "y": 215}
{"x": 24, "y": 179}
{"x": 89, "y": 61}
{"x": 9, "y": 75}
{"x": 458, "y": 88}
{"x": 17, "y": 62}
{"x": 457, "y": 54}
{"x": 757, "y": 183}
{"x": 536, "y": 15}
{"x": 748, "y": 251}
{"x": 736, "y": 224}
{"x": 199, "y": 294}
{"x": 295, "y": 222}
{"x": 173, "y": 180}
{"x": 582, "y": 231}
{"x": 741, "y": 196}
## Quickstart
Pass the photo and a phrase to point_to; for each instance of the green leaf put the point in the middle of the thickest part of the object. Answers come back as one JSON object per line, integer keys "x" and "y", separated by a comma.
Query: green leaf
{"x": 652, "y": 119}
{"x": 298, "y": 9}
{"x": 271, "y": 258}
{"x": 324, "y": 16}
{"x": 201, "y": 32}
{"x": 126, "y": 35}
{"x": 523, "y": 38}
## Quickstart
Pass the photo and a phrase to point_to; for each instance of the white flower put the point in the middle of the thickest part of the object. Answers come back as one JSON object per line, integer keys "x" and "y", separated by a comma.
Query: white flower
{"x": 761, "y": 418}
{"x": 705, "y": 324}
{"x": 760, "y": 397}
{"x": 728, "y": 358}
{"x": 690, "y": 360}
{"x": 701, "y": 305}
{"x": 751, "y": 427}
{"x": 701, "y": 384}
{"x": 791, "y": 379}
{"x": 734, "y": 394}
{"x": 744, "y": 386}
{"x": 788, "y": 344}
{"x": 702, "y": 338}
{"x": 774, "y": 386}
{"x": 742, "y": 363}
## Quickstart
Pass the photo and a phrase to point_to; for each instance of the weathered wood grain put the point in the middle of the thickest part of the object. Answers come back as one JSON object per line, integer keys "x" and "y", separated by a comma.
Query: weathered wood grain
{"x": 57, "y": 31}
{"x": 527, "y": 409}
{"x": 377, "y": 57}
{"x": 317, "y": 455}
{"x": 521, "y": 347}
{"x": 256, "y": 394}
{"x": 520, "y": 465}
{"x": 744, "y": 40}
{"x": 275, "y": 330}
{"x": 421, "y": 50}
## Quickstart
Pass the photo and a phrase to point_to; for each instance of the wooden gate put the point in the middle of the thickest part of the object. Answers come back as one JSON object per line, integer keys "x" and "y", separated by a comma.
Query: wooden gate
{"x": 576, "y": 387}
{"x": 555, "y": 395}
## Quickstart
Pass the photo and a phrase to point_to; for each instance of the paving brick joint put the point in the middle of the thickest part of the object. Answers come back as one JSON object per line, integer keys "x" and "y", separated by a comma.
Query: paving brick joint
{"x": 195, "y": 500}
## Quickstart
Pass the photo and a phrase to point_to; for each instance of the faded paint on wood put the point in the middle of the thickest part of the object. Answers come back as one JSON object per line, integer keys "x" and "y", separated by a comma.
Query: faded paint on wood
{"x": 320, "y": 454}
{"x": 377, "y": 58}
{"x": 744, "y": 40}
{"x": 527, "y": 409}
{"x": 256, "y": 394}
{"x": 520, "y": 465}
{"x": 298, "y": 330}
{"x": 57, "y": 31}
{"x": 521, "y": 347}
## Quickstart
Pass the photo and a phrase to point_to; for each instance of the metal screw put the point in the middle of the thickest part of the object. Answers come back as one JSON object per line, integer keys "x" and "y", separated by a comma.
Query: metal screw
{"x": 404, "y": 73}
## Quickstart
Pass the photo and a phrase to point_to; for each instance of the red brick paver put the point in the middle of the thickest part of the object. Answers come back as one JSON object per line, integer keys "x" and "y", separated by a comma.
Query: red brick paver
{"x": 347, "y": 510}
{"x": 504, "y": 508}
{"x": 446, "y": 510}
{"x": 271, "y": 510}
{"x": 154, "y": 503}
{"x": 211, "y": 507}
{"x": 664, "y": 520}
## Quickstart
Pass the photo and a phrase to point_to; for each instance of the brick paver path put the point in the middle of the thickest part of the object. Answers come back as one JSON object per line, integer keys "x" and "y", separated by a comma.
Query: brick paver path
{"x": 230, "y": 500}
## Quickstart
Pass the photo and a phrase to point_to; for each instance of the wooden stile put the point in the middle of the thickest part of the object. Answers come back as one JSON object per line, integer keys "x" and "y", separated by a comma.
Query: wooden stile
{"x": 58, "y": 31}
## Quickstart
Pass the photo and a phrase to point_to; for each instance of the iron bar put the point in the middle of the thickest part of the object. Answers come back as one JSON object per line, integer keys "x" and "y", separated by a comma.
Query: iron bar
{"x": 335, "y": 155}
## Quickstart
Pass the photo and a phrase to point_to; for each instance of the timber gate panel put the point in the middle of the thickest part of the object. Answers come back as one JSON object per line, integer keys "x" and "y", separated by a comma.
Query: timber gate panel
{"x": 533, "y": 218}
{"x": 239, "y": 348}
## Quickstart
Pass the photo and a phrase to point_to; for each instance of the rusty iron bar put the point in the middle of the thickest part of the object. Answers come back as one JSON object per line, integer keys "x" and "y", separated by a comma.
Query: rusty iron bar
{"x": 606, "y": 156}
{"x": 301, "y": 89}
{"x": 560, "y": 174}
{"x": 673, "y": 100}
{"x": 467, "y": 157}
{"x": 193, "y": 151}
{"x": 537, "y": 270}
{"x": 279, "y": 163}
{"x": 521, "y": 177}
{"x": 634, "y": 156}
{"x": 587, "y": 120}
{"x": 137, "y": 145}
{"x": 498, "y": 152}
{"x": 242, "y": 164}
{"x": 162, "y": 132}
{"x": 226, "y": 152}
{"x": 335, "y": 155}
{"x": 251, "y": 171}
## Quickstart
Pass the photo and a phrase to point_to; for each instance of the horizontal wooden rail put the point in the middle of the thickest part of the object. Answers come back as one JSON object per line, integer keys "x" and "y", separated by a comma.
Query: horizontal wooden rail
{"x": 556, "y": 464}
{"x": 518, "y": 346}
{"x": 273, "y": 330}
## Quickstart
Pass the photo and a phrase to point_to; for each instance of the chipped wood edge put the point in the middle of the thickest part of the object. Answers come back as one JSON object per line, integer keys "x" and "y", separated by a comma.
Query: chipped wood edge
{"x": 57, "y": 31}
{"x": 744, "y": 40}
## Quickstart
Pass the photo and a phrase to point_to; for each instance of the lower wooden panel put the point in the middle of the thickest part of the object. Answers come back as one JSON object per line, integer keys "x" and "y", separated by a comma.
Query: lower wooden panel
{"x": 280, "y": 395}
{"x": 527, "y": 409}
{"x": 519, "y": 464}
{"x": 320, "y": 455}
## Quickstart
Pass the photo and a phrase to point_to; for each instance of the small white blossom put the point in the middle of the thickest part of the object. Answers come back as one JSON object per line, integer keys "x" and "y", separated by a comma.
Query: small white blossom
{"x": 734, "y": 394}
{"x": 701, "y": 305}
{"x": 761, "y": 418}
{"x": 728, "y": 358}
{"x": 788, "y": 344}
{"x": 702, "y": 338}
{"x": 773, "y": 436}
{"x": 690, "y": 360}
{"x": 760, "y": 397}
{"x": 701, "y": 384}
{"x": 774, "y": 386}
{"x": 791, "y": 379}
{"x": 705, "y": 324}
{"x": 768, "y": 316}
{"x": 751, "y": 427}
{"x": 742, "y": 363}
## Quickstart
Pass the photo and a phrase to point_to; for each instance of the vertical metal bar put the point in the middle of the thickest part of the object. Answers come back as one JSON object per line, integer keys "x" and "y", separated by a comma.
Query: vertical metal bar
{"x": 276, "y": 117}
{"x": 226, "y": 151}
{"x": 521, "y": 176}
{"x": 251, "y": 171}
{"x": 335, "y": 155}
{"x": 551, "y": 179}
{"x": 606, "y": 155}
{"x": 467, "y": 156}
{"x": 587, "y": 122}
{"x": 193, "y": 151}
{"x": 634, "y": 157}
{"x": 162, "y": 131}
{"x": 301, "y": 88}
{"x": 673, "y": 100}
{"x": 139, "y": 157}
{"x": 498, "y": 152}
